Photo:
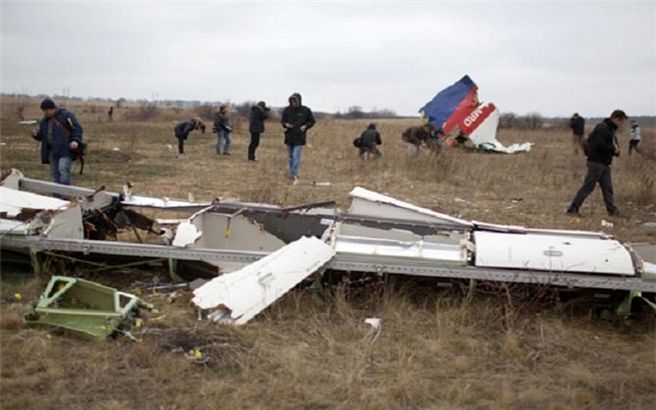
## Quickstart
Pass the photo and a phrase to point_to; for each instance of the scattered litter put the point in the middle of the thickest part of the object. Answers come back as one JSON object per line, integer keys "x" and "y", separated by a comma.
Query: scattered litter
{"x": 3, "y": 143}
{"x": 127, "y": 191}
{"x": 376, "y": 328}
{"x": 115, "y": 149}
{"x": 187, "y": 234}
{"x": 373, "y": 322}
{"x": 86, "y": 307}
{"x": 173, "y": 297}
{"x": 516, "y": 200}
{"x": 166, "y": 235}
{"x": 315, "y": 183}
{"x": 606, "y": 224}
{"x": 18, "y": 297}
{"x": 649, "y": 224}
{"x": 169, "y": 146}
{"x": 456, "y": 199}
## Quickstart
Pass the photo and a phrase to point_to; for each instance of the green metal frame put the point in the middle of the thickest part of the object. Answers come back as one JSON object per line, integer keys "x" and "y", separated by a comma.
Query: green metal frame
{"x": 84, "y": 306}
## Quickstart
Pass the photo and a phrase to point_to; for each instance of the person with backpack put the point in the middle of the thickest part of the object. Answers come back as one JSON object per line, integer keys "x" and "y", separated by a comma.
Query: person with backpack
{"x": 60, "y": 135}
{"x": 577, "y": 125}
{"x": 182, "y": 131}
{"x": 223, "y": 130}
{"x": 635, "y": 137}
{"x": 367, "y": 142}
{"x": 259, "y": 113}
{"x": 600, "y": 148}
{"x": 296, "y": 120}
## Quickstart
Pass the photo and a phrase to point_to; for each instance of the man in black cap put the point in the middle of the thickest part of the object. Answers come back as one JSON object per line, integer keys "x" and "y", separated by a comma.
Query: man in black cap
{"x": 61, "y": 137}
{"x": 602, "y": 147}
{"x": 259, "y": 113}
{"x": 296, "y": 120}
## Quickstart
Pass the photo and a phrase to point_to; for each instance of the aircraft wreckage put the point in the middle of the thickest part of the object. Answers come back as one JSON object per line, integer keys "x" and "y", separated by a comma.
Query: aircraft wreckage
{"x": 254, "y": 253}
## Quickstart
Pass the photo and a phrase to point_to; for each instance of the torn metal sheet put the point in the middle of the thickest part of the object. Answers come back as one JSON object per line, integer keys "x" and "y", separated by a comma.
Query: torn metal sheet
{"x": 457, "y": 107}
{"x": 13, "y": 227}
{"x": 552, "y": 253}
{"x": 227, "y": 231}
{"x": 212, "y": 230}
{"x": 86, "y": 307}
{"x": 235, "y": 298}
{"x": 395, "y": 243}
{"x": 646, "y": 251}
{"x": 486, "y": 226}
{"x": 13, "y": 202}
{"x": 25, "y": 213}
{"x": 370, "y": 203}
{"x": 186, "y": 234}
{"x": 17, "y": 180}
{"x": 162, "y": 203}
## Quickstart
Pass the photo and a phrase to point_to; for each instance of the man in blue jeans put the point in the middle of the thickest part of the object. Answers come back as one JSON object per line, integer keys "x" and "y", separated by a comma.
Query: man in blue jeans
{"x": 223, "y": 130}
{"x": 61, "y": 136}
{"x": 296, "y": 120}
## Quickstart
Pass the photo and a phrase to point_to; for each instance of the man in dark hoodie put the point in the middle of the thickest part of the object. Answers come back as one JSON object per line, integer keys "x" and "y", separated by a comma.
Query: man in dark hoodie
{"x": 296, "y": 120}
{"x": 259, "y": 113}
{"x": 61, "y": 137}
{"x": 368, "y": 141}
{"x": 182, "y": 131}
{"x": 602, "y": 147}
{"x": 577, "y": 125}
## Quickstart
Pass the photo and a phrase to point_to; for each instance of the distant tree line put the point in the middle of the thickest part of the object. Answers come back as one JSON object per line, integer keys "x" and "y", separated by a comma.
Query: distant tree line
{"x": 356, "y": 112}
{"x": 530, "y": 121}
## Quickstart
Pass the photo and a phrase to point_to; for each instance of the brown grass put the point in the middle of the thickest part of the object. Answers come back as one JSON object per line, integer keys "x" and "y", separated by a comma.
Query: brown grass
{"x": 436, "y": 349}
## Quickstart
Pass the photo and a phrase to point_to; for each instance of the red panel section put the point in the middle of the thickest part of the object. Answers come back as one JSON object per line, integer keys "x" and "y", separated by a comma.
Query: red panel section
{"x": 466, "y": 106}
{"x": 476, "y": 118}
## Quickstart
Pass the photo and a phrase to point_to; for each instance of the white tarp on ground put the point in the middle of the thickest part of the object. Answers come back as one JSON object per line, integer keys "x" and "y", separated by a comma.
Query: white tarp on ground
{"x": 235, "y": 298}
{"x": 554, "y": 253}
{"x": 484, "y": 136}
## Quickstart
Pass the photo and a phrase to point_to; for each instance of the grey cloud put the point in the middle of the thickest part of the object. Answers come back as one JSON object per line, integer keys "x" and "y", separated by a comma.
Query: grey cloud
{"x": 554, "y": 58}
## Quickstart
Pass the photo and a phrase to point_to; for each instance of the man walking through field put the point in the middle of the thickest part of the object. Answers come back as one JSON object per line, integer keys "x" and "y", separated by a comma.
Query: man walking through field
{"x": 296, "y": 120}
{"x": 61, "y": 137}
{"x": 577, "y": 124}
{"x": 602, "y": 147}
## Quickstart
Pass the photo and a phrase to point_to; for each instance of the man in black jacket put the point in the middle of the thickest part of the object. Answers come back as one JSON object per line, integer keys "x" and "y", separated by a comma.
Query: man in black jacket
{"x": 296, "y": 120}
{"x": 577, "y": 124}
{"x": 368, "y": 141}
{"x": 61, "y": 137}
{"x": 182, "y": 131}
{"x": 602, "y": 147}
{"x": 259, "y": 113}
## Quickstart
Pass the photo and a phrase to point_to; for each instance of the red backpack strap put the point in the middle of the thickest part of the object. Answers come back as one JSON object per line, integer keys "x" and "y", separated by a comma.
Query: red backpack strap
{"x": 67, "y": 127}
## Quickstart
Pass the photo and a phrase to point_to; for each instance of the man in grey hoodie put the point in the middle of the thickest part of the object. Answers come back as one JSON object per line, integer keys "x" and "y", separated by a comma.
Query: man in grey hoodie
{"x": 296, "y": 120}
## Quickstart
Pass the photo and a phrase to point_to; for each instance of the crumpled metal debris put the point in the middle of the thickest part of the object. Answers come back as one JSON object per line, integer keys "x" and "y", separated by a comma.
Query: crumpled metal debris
{"x": 86, "y": 307}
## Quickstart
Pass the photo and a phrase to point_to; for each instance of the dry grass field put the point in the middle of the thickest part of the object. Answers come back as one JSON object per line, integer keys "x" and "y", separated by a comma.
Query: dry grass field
{"x": 438, "y": 349}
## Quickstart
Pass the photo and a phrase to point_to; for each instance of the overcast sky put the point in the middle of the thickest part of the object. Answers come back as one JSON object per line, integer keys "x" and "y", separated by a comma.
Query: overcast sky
{"x": 554, "y": 58}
